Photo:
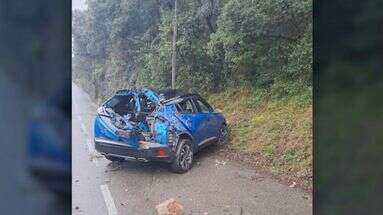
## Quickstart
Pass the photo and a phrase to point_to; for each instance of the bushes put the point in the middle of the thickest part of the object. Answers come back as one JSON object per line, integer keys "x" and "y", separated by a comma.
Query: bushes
{"x": 258, "y": 44}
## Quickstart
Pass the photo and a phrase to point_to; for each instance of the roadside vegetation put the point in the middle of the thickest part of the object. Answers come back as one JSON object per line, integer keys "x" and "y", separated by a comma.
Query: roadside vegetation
{"x": 251, "y": 58}
{"x": 275, "y": 135}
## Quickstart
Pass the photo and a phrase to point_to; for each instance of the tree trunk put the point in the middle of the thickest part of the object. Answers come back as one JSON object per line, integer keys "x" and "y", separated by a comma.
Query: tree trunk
{"x": 218, "y": 68}
{"x": 174, "y": 46}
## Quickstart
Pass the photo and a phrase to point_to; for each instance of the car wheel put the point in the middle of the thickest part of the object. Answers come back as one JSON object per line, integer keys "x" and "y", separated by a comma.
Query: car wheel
{"x": 184, "y": 157}
{"x": 223, "y": 135}
{"x": 112, "y": 158}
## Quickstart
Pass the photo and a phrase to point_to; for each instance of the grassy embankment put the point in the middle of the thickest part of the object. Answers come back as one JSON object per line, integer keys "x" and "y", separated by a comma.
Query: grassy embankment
{"x": 274, "y": 134}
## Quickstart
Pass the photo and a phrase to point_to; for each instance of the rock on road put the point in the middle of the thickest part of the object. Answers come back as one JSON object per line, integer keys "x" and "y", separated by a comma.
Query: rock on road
{"x": 213, "y": 185}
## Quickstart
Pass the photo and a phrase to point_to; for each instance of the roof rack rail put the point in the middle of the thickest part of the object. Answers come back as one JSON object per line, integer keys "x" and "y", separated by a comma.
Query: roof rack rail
{"x": 123, "y": 91}
{"x": 178, "y": 97}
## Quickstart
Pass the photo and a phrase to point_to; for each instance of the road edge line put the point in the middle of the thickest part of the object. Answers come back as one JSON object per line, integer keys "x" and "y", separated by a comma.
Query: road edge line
{"x": 112, "y": 210}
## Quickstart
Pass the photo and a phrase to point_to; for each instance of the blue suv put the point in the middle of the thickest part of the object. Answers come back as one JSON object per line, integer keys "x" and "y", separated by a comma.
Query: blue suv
{"x": 149, "y": 125}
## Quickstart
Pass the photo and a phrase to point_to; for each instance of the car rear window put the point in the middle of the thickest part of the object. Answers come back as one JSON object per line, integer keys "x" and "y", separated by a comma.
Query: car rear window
{"x": 203, "y": 106}
{"x": 185, "y": 106}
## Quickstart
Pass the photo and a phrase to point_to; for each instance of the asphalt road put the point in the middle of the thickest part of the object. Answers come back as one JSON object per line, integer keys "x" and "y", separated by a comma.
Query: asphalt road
{"x": 213, "y": 185}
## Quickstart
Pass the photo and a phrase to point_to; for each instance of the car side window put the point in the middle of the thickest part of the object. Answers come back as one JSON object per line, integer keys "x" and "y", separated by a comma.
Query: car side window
{"x": 203, "y": 106}
{"x": 185, "y": 106}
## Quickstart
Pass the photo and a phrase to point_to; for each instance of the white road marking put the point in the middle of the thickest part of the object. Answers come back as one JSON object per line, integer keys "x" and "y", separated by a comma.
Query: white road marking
{"x": 83, "y": 127}
{"x": 108, "y": 200}
{"x": 90, "y": 147}
{"x": 92, "y": 153}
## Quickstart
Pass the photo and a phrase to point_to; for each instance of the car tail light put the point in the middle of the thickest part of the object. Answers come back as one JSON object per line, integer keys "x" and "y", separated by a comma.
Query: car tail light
{"x": 161, "y": 153}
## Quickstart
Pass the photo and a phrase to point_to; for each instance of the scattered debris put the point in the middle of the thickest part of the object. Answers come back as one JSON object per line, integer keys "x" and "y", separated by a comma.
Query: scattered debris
{"x": 76, "y": 180}
{"x": 93, "y": 156}
{"x": 114, "y": 166}
{"x": 77, "y": 207}
{"x": 107, "y": 181}
{"x": 257, "y": 177}
{"x": 115, "y": 169}
{"x": 222, "y": 163}
{"x": 169, "y": 207}
{"x": 293, "y": 185}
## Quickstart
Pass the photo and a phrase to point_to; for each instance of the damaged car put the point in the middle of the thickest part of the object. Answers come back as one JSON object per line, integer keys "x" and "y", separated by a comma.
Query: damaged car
{"x": 150, "y": 125}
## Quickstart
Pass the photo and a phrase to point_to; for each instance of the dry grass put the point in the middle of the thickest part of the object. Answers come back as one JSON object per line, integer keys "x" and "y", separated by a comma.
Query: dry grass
{"x": 277, "y": 134}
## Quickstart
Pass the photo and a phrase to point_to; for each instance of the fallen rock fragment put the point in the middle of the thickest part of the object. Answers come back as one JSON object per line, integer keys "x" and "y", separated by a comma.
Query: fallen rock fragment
{"x": 293, "y": 185}
{"x": 220, "y": 163}
{"x": 170, "y": 207}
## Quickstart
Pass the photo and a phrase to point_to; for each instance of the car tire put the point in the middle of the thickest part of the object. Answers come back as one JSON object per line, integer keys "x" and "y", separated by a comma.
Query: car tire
{"x": 224, "y": 137}
{"x": 184, "y": 157}
{"x": 113, "y": 159}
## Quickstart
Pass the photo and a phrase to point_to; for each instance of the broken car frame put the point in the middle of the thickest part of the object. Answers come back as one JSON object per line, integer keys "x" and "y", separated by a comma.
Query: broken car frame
{"x": 149, "y": 125}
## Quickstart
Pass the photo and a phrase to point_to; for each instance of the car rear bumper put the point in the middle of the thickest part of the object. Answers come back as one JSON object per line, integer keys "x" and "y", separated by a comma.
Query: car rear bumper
{"x": 149, "y": 152}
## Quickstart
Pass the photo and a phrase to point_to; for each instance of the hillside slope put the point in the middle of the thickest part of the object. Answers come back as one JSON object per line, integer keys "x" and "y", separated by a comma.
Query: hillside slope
{"x": 274, "y": 135}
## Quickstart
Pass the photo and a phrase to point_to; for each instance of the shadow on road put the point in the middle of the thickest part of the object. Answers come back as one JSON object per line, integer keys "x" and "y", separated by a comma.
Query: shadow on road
{"x": 151, "y": 167}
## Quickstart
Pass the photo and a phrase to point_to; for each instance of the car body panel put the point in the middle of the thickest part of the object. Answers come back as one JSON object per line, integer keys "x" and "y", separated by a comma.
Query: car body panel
{"x": 103, "y": 128}
{"x": 197, "y": 125}
{"x": 216, "y": 120}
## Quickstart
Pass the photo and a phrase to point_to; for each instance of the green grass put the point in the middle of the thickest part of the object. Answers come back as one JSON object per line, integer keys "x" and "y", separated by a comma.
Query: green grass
{"x": 275, "y": 132}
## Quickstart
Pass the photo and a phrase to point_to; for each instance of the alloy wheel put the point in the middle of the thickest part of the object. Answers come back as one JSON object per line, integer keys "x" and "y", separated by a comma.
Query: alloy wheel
{"x": 186, "y": 157}
{"x": 224, "y": 135}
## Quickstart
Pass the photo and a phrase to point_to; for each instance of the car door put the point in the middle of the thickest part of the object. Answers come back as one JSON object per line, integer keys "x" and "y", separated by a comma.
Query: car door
{"x": 192, "y": 119}
{"x": 212, "y": 126}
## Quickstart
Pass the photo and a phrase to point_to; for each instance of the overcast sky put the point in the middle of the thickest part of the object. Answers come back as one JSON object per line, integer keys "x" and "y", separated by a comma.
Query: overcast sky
{"x": 78, "y": 4}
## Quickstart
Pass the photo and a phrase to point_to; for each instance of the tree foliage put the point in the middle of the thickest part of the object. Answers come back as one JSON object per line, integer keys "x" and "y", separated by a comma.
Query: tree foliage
{"x": 261, "y": 44}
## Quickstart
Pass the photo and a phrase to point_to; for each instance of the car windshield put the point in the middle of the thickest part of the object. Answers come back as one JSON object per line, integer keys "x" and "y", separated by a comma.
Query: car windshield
{"x": 122, "y": 104}
{"x": 112, "y": 102}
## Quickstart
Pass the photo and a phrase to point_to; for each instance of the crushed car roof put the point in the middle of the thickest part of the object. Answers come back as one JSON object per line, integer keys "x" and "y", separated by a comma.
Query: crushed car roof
{"x": 166, "y": 94}
{"x": 171, "y": 93}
